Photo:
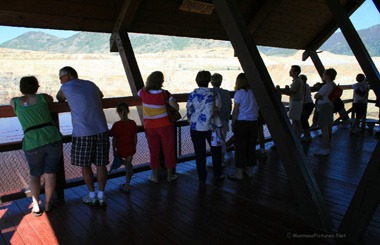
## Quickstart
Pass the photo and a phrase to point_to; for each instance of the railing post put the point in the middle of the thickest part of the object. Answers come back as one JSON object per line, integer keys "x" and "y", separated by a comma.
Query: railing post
{"x": 179, "y": 147}
{"x": 61, "y": 179}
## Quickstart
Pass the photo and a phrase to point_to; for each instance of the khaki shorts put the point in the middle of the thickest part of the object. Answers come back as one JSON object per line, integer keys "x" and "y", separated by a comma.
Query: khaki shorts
{"x": 295, "y": 110}
{"x": 325, "y": 114}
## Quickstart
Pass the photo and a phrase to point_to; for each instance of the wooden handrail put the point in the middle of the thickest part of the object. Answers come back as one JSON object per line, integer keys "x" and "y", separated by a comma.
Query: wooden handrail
{"x": 59, "y": 107}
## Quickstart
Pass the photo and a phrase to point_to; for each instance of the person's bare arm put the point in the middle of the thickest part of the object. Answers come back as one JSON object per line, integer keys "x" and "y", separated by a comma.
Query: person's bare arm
{"x": 60, "y": 96}
{"x": 173, "y": 103}
{"x": 12, "y": 102}
{"x": 235, "y": 113}
{"x": 48, "y": 98}
{"x": 317, "y": 96}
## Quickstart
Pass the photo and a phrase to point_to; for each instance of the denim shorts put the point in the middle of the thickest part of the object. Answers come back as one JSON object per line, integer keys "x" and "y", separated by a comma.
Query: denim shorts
{"x": 44, "y": 159}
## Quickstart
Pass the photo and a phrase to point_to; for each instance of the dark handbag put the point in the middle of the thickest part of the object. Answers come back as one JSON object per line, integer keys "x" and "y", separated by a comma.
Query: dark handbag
{"x": 173, "y": 114}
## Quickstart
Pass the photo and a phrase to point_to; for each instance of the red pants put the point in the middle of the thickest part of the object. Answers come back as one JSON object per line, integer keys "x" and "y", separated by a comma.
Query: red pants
{"x": 161, "y": 137}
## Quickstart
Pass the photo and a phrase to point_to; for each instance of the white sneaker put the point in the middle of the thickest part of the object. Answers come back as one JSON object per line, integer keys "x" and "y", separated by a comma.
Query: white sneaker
{"x": 90, "y": 201}
{"x": 172, "y": 177}
{"x": 102, "y": 201}
{"x": 322, "y": 152}
{"x": 153, "y": 179}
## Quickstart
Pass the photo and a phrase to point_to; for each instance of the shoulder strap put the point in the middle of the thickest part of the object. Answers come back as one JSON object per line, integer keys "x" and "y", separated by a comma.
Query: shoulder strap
{"x": 166, "y": 95}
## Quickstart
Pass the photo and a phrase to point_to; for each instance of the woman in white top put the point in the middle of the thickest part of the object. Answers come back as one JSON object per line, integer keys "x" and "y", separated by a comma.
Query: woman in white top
{"x": 325, "y": 109}
{"x": 244, "y": 126}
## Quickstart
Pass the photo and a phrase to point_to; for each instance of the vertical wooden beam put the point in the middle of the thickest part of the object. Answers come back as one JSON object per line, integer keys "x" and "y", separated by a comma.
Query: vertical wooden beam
{"x": 366, "y": 198}
{"x": 300, "y": 176}
{"x": 60, "y": 177}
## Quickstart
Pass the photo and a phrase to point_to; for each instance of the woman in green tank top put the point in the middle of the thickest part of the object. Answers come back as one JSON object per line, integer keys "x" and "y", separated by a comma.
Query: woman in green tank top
{"x": 42, "y": 142}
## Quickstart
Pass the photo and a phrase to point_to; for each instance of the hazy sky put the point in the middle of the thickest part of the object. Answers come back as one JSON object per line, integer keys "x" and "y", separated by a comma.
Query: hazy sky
{"x": 366, "y": 16}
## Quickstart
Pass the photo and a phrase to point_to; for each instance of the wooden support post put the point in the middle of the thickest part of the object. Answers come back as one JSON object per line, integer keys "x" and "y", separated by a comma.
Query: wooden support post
{"x": 60, "y": 177}
{"x": 366, "y": 198}
{"x": 120, "y": 40}
{"x": 129, "y": 61}
{"x": 316, "y": 61}
{"x": 130, "y": 65}
{"x": 299, "y": 174}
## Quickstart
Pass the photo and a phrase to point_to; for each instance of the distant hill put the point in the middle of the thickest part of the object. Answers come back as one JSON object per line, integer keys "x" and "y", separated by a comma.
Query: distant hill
{"x": 86, "y": 42}
{"x": 337, "y": 43}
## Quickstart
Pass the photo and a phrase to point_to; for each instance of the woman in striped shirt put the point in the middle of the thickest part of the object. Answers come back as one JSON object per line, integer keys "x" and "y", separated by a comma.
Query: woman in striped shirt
{"x": 159, "y": 129}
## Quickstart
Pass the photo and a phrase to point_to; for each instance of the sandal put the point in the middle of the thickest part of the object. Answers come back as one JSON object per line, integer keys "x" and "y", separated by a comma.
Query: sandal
{"x": 36, "y": 213}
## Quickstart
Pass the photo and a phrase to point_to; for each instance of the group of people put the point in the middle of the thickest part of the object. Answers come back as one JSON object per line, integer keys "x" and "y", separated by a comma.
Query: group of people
{"x": 301, "y": 105}
{"x": 207, "y": 110}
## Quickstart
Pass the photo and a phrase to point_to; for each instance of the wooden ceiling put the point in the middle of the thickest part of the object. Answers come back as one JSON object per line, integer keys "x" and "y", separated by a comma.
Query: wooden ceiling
{"x": 297, "y": 24}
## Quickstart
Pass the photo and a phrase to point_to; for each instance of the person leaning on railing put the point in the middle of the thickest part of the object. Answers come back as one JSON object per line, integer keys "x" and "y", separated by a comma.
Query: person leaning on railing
{"x": 325, "y": 109}
{"x": 90, "y": 140}
{"x": 360, "y": 100}
{"x": 42, "y": 142}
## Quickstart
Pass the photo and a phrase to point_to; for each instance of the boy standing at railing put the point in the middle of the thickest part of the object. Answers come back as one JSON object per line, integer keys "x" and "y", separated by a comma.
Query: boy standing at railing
{"x": 124, "y": 143}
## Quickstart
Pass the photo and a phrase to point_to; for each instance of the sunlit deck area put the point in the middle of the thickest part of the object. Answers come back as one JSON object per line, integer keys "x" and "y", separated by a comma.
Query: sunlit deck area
{"x": 262, "y": 210}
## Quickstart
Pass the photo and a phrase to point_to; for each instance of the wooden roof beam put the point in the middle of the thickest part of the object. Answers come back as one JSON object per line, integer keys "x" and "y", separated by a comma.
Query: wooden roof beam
{"x": 124, "y": 20}
{"x": 262, "y": 14}
{"x": 290, "y": 150}
{"x": 330, "y": 28}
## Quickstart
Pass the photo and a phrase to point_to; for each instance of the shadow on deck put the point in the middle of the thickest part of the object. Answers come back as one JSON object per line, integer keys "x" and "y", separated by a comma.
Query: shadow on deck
{"x": 262, "y": 210}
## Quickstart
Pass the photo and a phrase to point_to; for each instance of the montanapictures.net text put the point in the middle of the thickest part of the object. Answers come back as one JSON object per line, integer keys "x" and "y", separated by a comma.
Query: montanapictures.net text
{"x": 316, "y": 235}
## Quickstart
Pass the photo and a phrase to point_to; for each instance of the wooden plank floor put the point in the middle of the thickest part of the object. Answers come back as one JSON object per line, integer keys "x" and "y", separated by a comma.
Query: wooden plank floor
{"x": 262, "y": 210}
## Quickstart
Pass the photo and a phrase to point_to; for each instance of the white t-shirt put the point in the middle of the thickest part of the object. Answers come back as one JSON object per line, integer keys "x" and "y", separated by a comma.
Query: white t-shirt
{"x": 307, "y": 96}
{"x": 325, "y": 91}
{"x": 363, "y": 86}
{"x": 248, "y": 109}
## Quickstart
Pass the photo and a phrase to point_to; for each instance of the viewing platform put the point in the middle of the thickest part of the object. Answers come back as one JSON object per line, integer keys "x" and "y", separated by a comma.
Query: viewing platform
{"x": 261, "y": 210}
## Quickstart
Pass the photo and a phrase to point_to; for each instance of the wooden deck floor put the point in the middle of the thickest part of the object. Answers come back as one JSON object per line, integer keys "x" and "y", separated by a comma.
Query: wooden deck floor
{"x": 262, "y": 210}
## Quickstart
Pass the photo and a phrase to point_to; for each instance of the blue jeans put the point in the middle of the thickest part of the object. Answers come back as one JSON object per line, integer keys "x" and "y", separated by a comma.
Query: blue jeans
{"x": 199, "y": 141}
{"x": 44, "y": 159}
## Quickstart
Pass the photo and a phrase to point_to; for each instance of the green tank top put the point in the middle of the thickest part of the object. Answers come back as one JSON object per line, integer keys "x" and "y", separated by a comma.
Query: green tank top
{"x": 33, "y": 115}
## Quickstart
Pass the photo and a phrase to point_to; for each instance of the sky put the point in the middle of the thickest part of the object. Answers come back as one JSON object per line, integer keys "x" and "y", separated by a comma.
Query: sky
{"x": 366, "y": 16}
